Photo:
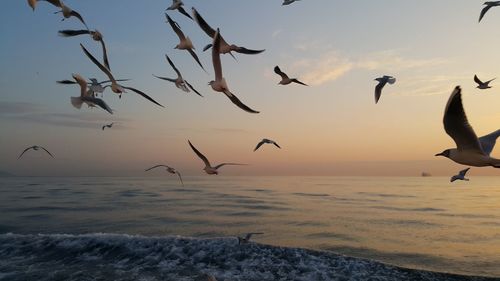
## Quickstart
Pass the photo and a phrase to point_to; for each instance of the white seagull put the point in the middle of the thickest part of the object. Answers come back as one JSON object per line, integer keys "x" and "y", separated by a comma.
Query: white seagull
{"x": 185, "y": 43}
{"x": 36, "y": 148}
{"x": 95, "y": 86}
{"x": 285, "y": 80}
{"x": 470, "y": 150}
{"x": 288, "y": 2}
{"x": 177, "y": 5}
{"x": 246, "y": 239}
{"x": 381, "y": 83}
{"x": 168, "y": 169}
{"x": 179, "y": 81}
{"x": 263, "y": 141}
{"x": 208, "y": 168}
{"x": 115, "y": 87}
{"x": 460, "y": 176}
{"x": 219, "y": 84}
{"x": 482, "y": 85}
{"x": 33, "y": 3}
{"x": 96, "y": 36}
{"x": 224, "y": 46}
{"x": 67, "y": 12}
{"x": 87, "y": 96}
{"x": 108, "y": 126}
{"x": 488, "y": 4}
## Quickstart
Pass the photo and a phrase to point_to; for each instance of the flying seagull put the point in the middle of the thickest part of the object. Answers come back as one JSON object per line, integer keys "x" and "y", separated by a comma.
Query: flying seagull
{"x": 185, "y": 43}
{"x": 87, "y": 96}
{"x": 95, "y": 86}
{"x": 488, "y": 6}
{"x": 246, "y": 239}
{"x": 482, "y": 85}
{"x": 208, "y": 168}
{"x": 168, "y": 169}
{"x": 285, "y": 80}
{"x": 177, "y": 5}
{"x": 36, "y": 148}
{"x": 288, "y": 2}
{"x": 33, "y": 3}
{"x": 470, "y": 150}
{"x": 179, "y": 81}
{"x": 219, "y": 84}
{"x": 263, "y": 141}
{"x": 67, "y": 12}
{"x": 96, "y": 35}
{"x": 108, "y": 126}
{"x": 224, "y": 46}
{"x": 460, "y": 176}
{"x": 381, "y": 83}
{"x": 115, "y": 87}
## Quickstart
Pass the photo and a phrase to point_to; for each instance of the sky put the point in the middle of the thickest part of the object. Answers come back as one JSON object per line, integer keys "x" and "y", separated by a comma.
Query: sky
{"x": 332, "y": 127}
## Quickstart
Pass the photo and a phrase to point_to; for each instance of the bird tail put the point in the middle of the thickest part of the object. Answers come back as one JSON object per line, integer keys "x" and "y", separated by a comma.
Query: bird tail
{"x": 76, "y": 102}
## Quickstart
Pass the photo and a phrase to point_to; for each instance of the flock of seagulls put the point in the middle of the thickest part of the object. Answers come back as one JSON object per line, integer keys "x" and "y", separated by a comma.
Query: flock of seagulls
{"x": 470, "y": 150}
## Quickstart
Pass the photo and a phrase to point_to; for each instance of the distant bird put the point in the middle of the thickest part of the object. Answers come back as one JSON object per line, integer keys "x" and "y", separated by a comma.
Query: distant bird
{"x": 219, "y": 84}
{"x": 108, "y": 126}
{"x": 177, "y": 5}
{"x": 285, "y": 80}
{"x": 87, "y": 96}
{"x": 482, "y": 85}
{"x": 179, "y": 81}
{"x": 33, "y": 3}
{"x": 35, "y": 148}
{"x": 460, "y": 176}
{"x": 488, "y": 4}
{"x": 115, "y": 87}
{"x": 67, "y": 12}
{"x": 168, "y": 169}
{"x": 96, "y": 35}
{"x": 224, "y": 46}
{"x": 185, "y": 43}
{"x": 208, "y": 168}
{"x": 381, "y": 83}
{"x": 246, "y": 239}
{"x": 263, "y": 141}
{"x": 288, "y": 2}
{"x": 470, "y": 150}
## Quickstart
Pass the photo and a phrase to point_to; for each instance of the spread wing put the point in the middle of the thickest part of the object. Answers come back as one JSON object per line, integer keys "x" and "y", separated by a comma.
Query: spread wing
{"x": 182, "y": 11}
{"x": 180, "y": 177}
{"x": 176, "y": 28}
{"x": 66, "y": 82}
{"x": 238, "y": 103}
{"x": 105, "y": 54}
{"x": 258, "y": 145}
{"x": 31, "y": 147}
{"x": 173, "y": 66}
{"x": 193, "y": 54}
{"x": 457, "y": 126}
{"x": 191, "y": 87}
{"x": 488, "y": 142}
{"x": 165, "y": 78}
{"x": 378, "y": 90}
{"x": 276, "y": 145}
{"x": 476, "y": 79}
{"x": 78, "y": 16}
{"x": 202, "y": 157}
{"x": 101, "y": 103}
{"x": 483, "y": 12}
{"x": 47, "y": 151}
{"x": 96, "y": 62}
{"x": 203, "y": 24}
{"x": 71, "y": 33}
{"x": 143, "y": 95}
{"x": 298, "y": 82}
{"x": 154, "y": 167}
{"x": 216, "y": 56}
{"x": 233, "y": 164}
{"x": 463, "y": 172}
{"x": 278, "y": 71}
{"x": 246, "y": 51}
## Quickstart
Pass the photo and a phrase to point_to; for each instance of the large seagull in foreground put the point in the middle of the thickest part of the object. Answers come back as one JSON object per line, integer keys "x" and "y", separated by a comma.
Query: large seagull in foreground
{"x": 209, "y": 169}
{"x": 470, "y": 150}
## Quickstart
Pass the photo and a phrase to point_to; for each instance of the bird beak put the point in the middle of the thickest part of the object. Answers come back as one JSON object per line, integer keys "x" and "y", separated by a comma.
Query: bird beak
{"x": 439, "y": 154}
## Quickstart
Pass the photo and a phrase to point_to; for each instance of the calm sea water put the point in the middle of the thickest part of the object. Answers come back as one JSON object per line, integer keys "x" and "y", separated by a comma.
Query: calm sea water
{"x": 424, "y": 223}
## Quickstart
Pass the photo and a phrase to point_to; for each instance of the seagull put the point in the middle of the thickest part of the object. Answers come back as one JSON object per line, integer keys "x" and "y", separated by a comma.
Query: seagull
{"x": 179, "y": 81}
{"x": 33, "y": 3}
{"x": 224, "y": 46}
{"x": 482, "y": 85}
{"x": 87, "y": 96}
{"x": 285, "y": 80}
{"x": 470, "y": 150}
{"x": 108, "y": 126}
{"x": 263, "y": 141}
{"x": 67, "y": 12}
{"x": 219, "y": 84}
{"x": 246, "y": 239}
{"x": 168, "y": 169}
{"x": 36, "y": 148}
{"x": 208, "y": 168}
{"x": 177, "y": 5}
{"x": 95, "y": 86}
{"x": 381, "y": 83}
{"x": 460, "y": 176}
{"x": 288, "y": 2}
{"x": 185, "y": 43}
{"x": 96, "y": 35}
{"x": 115, "y": 87}
{"x": 488, "y": 4}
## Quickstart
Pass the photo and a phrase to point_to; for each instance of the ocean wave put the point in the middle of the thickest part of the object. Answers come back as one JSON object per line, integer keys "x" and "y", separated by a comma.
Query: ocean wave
{"x": 129, "y": 257}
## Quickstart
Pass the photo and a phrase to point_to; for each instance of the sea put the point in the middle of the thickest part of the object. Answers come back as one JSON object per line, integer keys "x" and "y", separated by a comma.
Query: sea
{"x": 313, "y": 228}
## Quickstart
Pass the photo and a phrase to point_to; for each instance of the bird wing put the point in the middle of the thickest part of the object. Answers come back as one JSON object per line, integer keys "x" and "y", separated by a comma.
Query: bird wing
{"x": 101, "y": 103}
{"x": 216, "y": 56}
{"x": 454, "y": 178}
{"x": 191, "y": 87}
{"x": 154, "y": 167}
{"x": 278, "y": 71}
{"x": 483, "y": 12}
{"x": 83, "y": 84}
{"x": 193, "y": 54}
{"x": 463, "y": 172}
{"x": 105, "y": 54}
{"x": 173, "y": 66}
{"x": 298, "y": 82}
{"x": 117, "y": 80}
{"x": 202, "y": 157}
{"x": 476, "y": 79}
{"x": 259, "y": 145}
{"x": 182, "y": 11}
{"x": 276, "y": 145}
{"x": 56, "y": 3}
{"x": 488, "y": 142}
{"x": 71, "y": 33}
{"x": 66, "y": 82}
{"x": 203, "y": 24}
{"x": 78, "y": 16}
{"x": 31, "y": 147}
{"x": 180, "y": 177}
{"x": 176, "y": 28}
{"x": 238, "y": 103}
{"x": 103, "y": 127}
{"x": 47, "y": 151}
{"x": 378, "y": 90}
{"x": 457, "y": 126}
{"x": 96, "y": 62}
{"x": 243, "y": 50}
{"x": 143, "y": 95}
{"x": 233, "y": 164}
{"x": 165, "y": 78}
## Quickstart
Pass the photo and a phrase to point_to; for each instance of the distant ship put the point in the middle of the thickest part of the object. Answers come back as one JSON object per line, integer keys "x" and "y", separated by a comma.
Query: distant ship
{"x": 425, "y": 174}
